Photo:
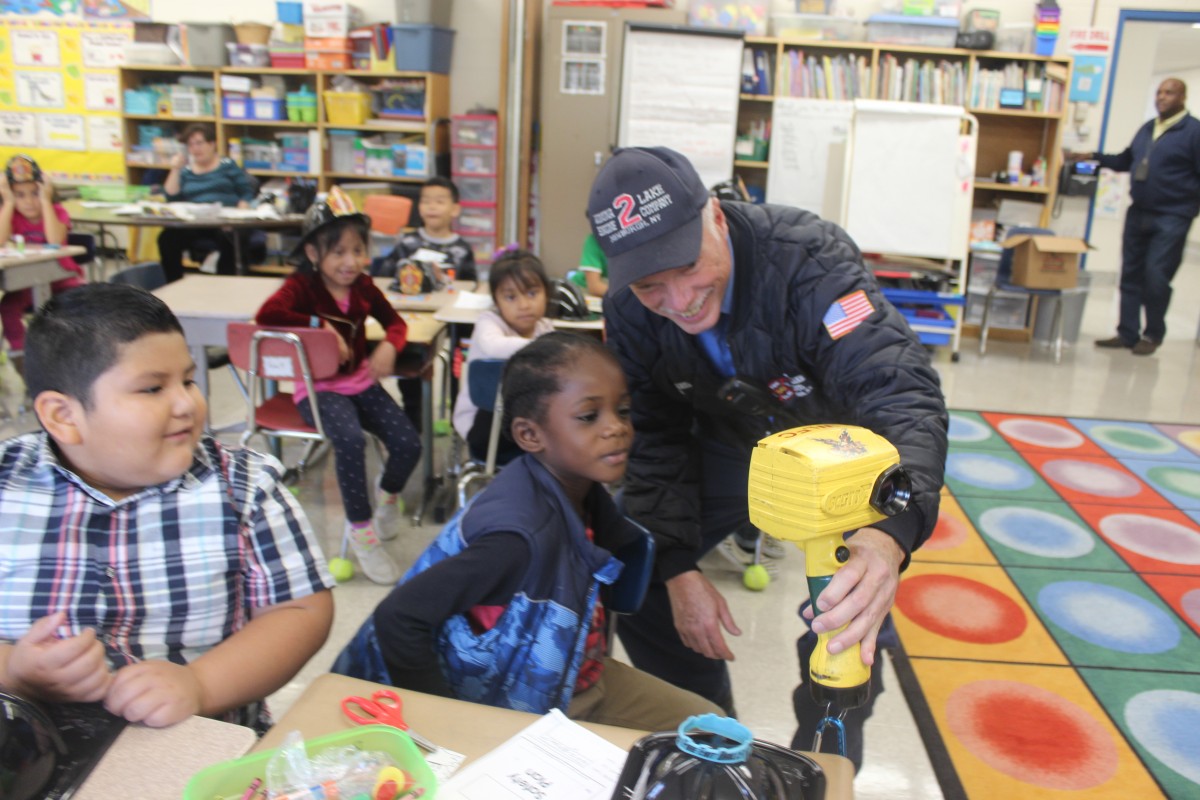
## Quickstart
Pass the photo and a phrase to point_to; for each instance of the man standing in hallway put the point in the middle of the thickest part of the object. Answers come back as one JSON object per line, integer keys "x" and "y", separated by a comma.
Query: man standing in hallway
{"x": 1164, "y": 159}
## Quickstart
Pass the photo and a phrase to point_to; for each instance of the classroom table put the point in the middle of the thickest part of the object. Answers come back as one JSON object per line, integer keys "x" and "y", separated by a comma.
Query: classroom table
{"x": 468, "y": 728}
{"x": 156, "y": 763}
{"x": 102, "y": 217}
{"x": 36, "y": 268}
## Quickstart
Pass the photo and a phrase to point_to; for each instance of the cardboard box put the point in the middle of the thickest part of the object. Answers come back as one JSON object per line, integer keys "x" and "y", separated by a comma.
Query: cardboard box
{"x": 1045, "y": 262}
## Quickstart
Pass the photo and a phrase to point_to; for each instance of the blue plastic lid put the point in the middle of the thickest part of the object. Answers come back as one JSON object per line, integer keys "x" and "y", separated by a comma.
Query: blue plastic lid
{"x": 739, "y": 736}
{"x": 901, "y": 19}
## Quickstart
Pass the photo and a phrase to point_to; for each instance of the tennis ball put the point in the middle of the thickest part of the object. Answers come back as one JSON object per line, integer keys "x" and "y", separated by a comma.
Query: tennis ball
{"x": 295, "y": 490}
{"x": 756, "y": 578}
{"x": 441, "y": 427}
{"x": 341, "y": 569}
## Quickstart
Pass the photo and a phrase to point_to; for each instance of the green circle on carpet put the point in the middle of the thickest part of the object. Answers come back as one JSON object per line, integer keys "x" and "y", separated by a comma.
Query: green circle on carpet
{"x": 1133, "y": 439}
{"x": 1177, "y": 479}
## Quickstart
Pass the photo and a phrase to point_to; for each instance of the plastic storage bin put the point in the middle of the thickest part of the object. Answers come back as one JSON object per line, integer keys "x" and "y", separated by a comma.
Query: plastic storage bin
{"x": 347, "y": 108}
{"x": 816, "y": 26}
{"x": 476, "y": 190}
{"x": 483, "y": 248}
{"x": 917, "y": 31}
{"x": 235, "y": 106}
{"x": 1015, "y": 37}
{"x": 422, "y": 48}
{"x": 248, "y": 55}
{"x": 406, "y": 100}
{"x": 473, "y": 131}
{"x": 1008, "y": 310}
{"x": 746, "y": 15}
{"x": 189, "y": 102}
{"x": 410, "y": 161}
{"x": 473, "y": 161}
{"x": 435, "y": 12}
{"x": 302, "y": 106}
{"x": 230, "y": 778}
{"x": 266, "y": 108}
{"x": 141, "y": 101}
{"x": 476, "y": 220}
{"x": 205, "y": 43}
{"x": 341, "y": 151}
{"x": 118, "y": 193}
{"x": 289, "y": 13}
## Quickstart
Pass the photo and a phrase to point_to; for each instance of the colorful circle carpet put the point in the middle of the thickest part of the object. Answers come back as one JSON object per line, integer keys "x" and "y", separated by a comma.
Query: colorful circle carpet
{"x": 1050, "y": 627}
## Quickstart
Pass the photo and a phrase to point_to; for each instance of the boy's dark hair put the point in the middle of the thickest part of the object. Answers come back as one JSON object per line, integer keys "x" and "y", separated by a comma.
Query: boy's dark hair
{"x": 328, "y": 235}
{"x": 77, "y": 335}
{"x": 445, "y": 183}
{"x": 533, "y": 373}
{"x": 203, "y": 128}
{"x": 523, "y": 267}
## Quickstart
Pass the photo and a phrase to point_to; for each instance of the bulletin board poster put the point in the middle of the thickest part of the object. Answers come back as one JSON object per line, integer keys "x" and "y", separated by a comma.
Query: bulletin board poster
{"x": 60, "y": 95}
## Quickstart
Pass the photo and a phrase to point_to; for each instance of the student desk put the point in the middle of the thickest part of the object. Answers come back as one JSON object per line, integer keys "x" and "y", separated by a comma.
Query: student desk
{"x": 468, "y": 728}
{"x": 156, "y": 763}
{"x": 35, "y": 269}
{"x": 103, "y": 217}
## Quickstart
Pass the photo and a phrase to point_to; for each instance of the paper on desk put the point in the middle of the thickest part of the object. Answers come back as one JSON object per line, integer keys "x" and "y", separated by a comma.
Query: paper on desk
{"x": 473, "y": 300}
{"x": 428, "y": 256}
{"x": 552, "y": 759}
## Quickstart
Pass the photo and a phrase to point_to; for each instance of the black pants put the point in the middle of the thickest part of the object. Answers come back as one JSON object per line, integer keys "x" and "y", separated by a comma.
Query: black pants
{"x": 808, "y": 714}
{"x": 649, "y": 636}
{"x": 346, "y": 419}
{"x": 1151, "y": 250}
{"x": 172, "y": 243}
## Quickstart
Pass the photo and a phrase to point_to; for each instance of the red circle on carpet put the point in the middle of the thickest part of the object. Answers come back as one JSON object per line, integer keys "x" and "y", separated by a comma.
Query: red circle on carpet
{"x": 949, "y": 532}
{"x": 1032, "y": 735}
{"x": 960, "y": 608}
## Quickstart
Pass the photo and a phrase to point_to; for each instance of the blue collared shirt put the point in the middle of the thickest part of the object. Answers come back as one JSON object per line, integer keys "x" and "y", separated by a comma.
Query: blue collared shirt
{"x": 715, "y": 340}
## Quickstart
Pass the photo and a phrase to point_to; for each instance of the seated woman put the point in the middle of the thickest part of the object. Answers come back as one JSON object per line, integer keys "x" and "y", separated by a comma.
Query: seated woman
{"x": 202, "y": 176}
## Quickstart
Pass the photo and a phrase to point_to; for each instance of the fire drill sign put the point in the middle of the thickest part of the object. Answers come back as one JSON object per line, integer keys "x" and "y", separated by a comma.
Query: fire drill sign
{"x": 630, "y": 214}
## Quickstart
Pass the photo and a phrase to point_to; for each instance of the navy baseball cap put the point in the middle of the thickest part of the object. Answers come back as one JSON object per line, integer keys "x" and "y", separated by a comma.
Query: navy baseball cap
{"x": 644, "y": 209}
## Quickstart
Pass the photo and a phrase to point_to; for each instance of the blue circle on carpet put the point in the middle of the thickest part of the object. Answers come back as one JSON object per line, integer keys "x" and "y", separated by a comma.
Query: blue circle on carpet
{"x": 989, "y": 472}
{"x": 1108, "y": 617}
{"x": 1165, "y": 721}
{"x": 964, "y": 429}
{"x": 1036, "y": 532}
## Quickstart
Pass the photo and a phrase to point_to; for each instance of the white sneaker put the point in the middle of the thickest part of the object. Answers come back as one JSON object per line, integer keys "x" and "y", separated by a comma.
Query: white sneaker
{"x": 389, "y": 510}
{"x": 373, "y": 559}
{"x": 773, "y": 548}
{"x": 732, "y": 552}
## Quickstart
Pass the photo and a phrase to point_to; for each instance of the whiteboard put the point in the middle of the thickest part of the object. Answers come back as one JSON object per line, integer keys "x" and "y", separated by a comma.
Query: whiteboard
{"x": 679, "y": 89}
{"x": 808, "y": 155}
{"x": 911, "y": 179}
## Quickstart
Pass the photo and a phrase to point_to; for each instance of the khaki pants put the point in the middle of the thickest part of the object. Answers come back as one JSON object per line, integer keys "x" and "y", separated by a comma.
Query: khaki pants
{"x": 629, "y": 698}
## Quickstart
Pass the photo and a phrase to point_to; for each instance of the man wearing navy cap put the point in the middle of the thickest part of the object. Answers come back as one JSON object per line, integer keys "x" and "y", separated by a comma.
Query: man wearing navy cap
{"x": 740, "y": 320}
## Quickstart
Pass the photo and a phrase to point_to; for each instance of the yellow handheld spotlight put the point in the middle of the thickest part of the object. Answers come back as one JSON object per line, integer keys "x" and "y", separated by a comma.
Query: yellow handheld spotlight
{"x": 810, "y": 486}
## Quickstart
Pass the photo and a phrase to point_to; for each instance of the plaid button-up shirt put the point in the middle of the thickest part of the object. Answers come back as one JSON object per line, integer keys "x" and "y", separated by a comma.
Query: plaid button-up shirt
{"x": 166, "y": 573}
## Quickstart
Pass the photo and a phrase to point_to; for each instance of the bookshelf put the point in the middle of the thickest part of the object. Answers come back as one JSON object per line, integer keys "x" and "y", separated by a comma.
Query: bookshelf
{"x": 201, "y": 89}
{"x": 841, "y": 70}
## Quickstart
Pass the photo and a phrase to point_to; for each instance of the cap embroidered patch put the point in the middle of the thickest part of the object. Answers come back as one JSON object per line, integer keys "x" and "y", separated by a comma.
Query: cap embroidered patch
{"x": 845, "y": 315}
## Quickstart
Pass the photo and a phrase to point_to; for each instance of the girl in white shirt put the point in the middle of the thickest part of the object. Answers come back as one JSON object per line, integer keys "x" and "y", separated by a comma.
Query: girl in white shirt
{"x": 520, "y": 290}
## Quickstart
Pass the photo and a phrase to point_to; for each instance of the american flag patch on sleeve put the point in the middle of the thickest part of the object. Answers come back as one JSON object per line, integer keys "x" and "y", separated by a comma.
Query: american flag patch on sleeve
{"x": 844, "y": 315}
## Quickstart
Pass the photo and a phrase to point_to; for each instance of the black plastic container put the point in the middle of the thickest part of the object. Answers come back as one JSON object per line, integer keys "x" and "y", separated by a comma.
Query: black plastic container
{"x": 716, "y": 758}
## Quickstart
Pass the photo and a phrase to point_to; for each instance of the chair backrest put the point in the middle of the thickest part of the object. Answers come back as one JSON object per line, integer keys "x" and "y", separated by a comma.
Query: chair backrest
{"x": 148, "y": 275}
{"x": 483, "y": 381}
{"x": 283, "y": 354}
{"x": 1004, "y": 268}
{"x": 389, "y": 213}
{"x": 86, "y": 240}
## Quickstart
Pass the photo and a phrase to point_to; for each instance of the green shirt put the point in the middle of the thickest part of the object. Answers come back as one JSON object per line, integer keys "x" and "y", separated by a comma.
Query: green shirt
{"x": 590, "y": 260}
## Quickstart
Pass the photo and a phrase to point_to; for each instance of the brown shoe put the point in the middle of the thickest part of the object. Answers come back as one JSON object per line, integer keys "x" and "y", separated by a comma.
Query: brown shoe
{"x": 1145, "y": 347}
{"x": 1115, "y": 342}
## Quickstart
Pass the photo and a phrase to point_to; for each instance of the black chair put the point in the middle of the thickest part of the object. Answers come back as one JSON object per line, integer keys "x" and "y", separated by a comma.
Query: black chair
{"x": 1004, "y": 285}
{"x": 85, "y": 240}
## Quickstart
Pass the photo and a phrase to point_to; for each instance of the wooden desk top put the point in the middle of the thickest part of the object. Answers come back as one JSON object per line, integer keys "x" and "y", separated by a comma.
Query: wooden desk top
{"x": 468, "y": 728}
{"x": 35, "y": 254}
{"x": 104, "y": 216}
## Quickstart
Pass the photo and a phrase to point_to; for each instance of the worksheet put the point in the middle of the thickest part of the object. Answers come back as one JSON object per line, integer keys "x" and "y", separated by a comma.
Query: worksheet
{"x": 552, "y": 759}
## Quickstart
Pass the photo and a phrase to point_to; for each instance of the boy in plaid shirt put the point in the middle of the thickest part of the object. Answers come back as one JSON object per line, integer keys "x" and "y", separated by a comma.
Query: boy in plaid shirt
{"x": 143, "y": 564}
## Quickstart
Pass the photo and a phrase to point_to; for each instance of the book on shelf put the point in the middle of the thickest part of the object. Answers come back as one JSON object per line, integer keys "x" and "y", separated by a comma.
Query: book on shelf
{"x": 826, "y": 77}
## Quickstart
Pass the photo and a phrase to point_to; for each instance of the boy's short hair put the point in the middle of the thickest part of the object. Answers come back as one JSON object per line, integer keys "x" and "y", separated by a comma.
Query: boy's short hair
{"x": 443, "y": 182}
{"x": 523, "y": 267}
{"x": 534, "y": 372}
{"x": 77, "y": 336}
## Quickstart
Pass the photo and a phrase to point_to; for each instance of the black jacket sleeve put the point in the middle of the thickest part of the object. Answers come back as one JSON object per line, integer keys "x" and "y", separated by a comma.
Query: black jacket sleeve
{"x": 488, "y": 572}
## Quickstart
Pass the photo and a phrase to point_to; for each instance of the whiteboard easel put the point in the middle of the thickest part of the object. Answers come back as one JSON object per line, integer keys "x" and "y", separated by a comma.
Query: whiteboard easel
{"x": 680, "y": 89}
{"x": 912, "y": 168}
{"x": 809, "y": 138}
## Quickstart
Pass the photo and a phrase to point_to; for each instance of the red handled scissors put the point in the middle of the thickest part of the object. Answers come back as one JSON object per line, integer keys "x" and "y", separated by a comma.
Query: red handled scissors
{"x": 383, "y": 708}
